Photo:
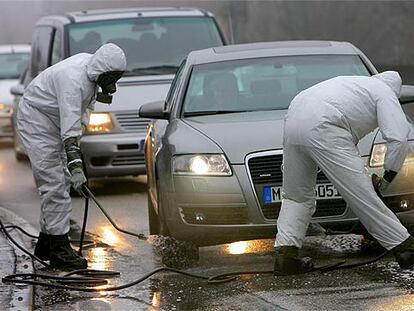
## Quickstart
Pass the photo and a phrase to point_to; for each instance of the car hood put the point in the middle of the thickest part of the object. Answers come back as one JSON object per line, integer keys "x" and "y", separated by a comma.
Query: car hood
{"x": 5, "y": 96}
{"x": 133, "y": 92}
{"x": 239, "y": 134}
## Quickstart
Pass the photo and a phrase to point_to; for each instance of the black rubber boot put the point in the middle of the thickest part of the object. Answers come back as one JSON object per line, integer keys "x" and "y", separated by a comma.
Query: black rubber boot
{"x": 57, "y": 249}
{"x": 404, "y": 253}
{"x": 288, "y": 262}
{"x": 63, "y": 256}
{"x": 42, "y": 248}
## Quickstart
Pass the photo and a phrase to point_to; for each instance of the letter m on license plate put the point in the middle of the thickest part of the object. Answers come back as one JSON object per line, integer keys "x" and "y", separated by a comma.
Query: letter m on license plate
{"x": 272, "y": 194}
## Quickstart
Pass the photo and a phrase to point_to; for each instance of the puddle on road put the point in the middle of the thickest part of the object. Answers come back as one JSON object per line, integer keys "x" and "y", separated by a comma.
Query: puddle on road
{"x": 98, "y": 258}
{"x": 172, "y": 292}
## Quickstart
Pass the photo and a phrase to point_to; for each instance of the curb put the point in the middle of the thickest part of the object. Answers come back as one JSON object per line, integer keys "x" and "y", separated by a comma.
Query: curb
{"x": 21, "y": 295}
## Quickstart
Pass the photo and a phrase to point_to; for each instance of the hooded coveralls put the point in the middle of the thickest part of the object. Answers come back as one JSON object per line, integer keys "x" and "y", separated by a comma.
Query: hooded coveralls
{"x": 53, "y": 108}
{"x": 322, "y": 127}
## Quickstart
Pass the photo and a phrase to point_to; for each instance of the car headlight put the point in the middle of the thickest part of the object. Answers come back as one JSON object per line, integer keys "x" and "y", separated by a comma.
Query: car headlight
{"x": 100, "y": 122}
{"x": 6, "y": 108}
{"x": 201, "y": 164}
{"x": 378, "y": 155}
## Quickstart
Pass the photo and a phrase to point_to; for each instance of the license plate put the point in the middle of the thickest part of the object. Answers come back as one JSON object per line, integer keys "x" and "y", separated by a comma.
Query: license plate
{"x": 322, "y": 192}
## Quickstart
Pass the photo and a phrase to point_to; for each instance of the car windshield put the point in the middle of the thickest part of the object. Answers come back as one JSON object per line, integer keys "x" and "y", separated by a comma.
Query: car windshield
{"x": 263, "y": 83}
{"x": 152, "y": 46}
{"x": 12, "y": 65}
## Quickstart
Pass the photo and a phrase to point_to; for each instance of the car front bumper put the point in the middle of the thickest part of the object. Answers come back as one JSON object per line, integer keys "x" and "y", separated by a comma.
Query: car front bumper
{"x": 6, "y": 129}
{"x": 214, "y": 210}
{"x": 399, "y": 196}
{"x": 113, "y": 154}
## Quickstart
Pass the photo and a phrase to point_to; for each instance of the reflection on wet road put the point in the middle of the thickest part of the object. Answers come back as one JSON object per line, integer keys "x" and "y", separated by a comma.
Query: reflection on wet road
{"x": 379, "y": 286}
{"x": 98, "y": 259}
{"x": 245, "y": 247}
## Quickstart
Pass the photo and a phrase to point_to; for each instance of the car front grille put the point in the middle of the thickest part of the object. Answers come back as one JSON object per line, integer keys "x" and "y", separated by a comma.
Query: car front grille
{"x": 123, "y": 160}
{"x": 266, "y": 170}
{"x": 324, "y": 208}
{"x": 131, "y": 122}
{"x": 214, "y": 215}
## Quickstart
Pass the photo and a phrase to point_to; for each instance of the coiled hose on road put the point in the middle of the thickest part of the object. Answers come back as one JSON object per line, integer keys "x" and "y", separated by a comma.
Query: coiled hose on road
{"x": 93, "y": 280}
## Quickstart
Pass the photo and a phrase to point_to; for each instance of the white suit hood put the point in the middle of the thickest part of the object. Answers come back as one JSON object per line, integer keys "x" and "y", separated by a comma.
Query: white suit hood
{"x": 109, "y": 57}
{"x": 392, "y": 79}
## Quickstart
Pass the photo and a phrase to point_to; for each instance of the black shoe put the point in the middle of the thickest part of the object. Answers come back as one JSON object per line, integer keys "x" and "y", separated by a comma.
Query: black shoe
{"x": 57, "y": 249}
{"x": 63, "y": 256}
{"x": 42, "y": 247}
{"x": 287, "y": 261}
{"x": 404, "y": 253}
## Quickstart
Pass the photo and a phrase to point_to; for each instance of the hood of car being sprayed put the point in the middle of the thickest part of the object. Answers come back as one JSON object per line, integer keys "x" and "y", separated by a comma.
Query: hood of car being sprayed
{"x": 239, "y": 134}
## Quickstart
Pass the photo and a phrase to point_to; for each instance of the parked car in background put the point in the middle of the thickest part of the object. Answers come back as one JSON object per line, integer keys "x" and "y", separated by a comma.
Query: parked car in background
{"x": 13, "y": 60}
{"x": 17, "y": 91}
{"x": 214, "y": 150}
{"x": 155, "y": 40}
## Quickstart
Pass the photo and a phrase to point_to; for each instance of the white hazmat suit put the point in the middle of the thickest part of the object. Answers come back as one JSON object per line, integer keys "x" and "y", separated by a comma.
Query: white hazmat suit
{"x": 54, "y": 107}
{"x": 322, "y": 127}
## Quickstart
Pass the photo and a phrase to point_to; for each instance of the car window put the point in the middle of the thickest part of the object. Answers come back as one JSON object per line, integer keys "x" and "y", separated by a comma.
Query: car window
{"x": 12, "y": 65}
{"x": 41, "y": 44}
{"x": 172, "y": 93}
{"x": 56, "y": 48}
{"x": 263, "y": 83}
{"x": 151, "y": 45}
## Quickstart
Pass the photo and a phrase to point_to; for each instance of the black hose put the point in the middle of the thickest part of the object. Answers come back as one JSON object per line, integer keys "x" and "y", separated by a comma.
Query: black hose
{"x": 90, "y": 195}
{"x": 85, "y": 210}
{"x": 30, "y": 278}
{"x": 97, "y": 277}
{"x": 20, "y": 229}
{"x": 11, "y": 239}
{"x": 85, "y": 218}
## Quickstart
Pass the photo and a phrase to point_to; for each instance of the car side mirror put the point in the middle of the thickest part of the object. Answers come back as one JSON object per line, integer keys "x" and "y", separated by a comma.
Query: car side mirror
{"x": 154, "y": 110}
{"x": 17, "y": 90}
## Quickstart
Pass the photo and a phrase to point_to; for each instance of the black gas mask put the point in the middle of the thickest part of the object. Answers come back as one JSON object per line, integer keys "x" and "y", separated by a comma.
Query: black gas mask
{"x": 107, "y": 82}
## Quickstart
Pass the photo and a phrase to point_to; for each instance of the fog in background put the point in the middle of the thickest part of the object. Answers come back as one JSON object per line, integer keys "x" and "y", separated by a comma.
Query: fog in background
{"x": 381, "y": 29}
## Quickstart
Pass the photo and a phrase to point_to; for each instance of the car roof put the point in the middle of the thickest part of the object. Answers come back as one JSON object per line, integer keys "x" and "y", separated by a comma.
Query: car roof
{"x": 267, "y": 49}
{"x": 108, "y": 14}
{"x": 14, "y": 48}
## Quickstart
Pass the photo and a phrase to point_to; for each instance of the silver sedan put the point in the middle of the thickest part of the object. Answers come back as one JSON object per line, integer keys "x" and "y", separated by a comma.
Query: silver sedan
{"x": 214, "y": 149}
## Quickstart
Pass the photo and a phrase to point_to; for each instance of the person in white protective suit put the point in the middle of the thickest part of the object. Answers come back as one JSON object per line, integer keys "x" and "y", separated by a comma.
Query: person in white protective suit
{"x": 322, "y": 127}
{"x": 52, "y": 113}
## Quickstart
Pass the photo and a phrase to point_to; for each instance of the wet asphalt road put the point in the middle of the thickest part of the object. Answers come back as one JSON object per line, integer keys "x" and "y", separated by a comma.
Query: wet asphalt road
{"x": 379, "y": 286}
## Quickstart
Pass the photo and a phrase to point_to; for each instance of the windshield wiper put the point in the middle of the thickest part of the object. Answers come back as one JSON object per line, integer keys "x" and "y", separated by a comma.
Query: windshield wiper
{"x": 154, "y": 70}
{"x": 211, "y": 112}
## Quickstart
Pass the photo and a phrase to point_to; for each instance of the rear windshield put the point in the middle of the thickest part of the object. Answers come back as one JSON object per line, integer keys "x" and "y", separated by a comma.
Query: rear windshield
{"x": 151, "y": 45}
{"x": 12, "y": 65}
{"x": 262, "y": 83}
